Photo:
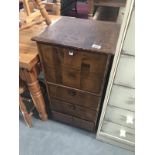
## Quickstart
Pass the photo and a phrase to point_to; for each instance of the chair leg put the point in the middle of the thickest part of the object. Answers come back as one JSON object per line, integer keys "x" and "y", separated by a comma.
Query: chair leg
{"x": 26, "y": 115}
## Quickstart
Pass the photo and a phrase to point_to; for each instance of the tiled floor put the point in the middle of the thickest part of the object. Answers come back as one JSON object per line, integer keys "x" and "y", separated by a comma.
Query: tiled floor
{"x": 53, "y": 138}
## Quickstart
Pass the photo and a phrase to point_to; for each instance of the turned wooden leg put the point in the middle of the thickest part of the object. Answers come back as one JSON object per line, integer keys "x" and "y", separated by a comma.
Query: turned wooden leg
{"x": 90, "y": 8}
{"x": 43, "y": 11}
{"x": 26, "y": 115}
{"x": 36, "y": 94}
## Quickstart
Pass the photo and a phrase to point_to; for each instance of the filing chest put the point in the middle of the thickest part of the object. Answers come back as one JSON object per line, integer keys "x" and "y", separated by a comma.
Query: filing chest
{"x": 76, "y": 55}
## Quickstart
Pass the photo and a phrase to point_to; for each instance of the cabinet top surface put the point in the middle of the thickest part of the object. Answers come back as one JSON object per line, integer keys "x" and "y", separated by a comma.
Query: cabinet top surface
{"x": 82, "y": 34}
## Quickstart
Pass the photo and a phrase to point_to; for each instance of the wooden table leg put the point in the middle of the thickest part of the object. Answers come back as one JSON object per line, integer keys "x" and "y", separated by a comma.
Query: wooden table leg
{"x": 26, "y": 115}
{"x": 36, "y": 94}
{"x": 90, "y": 8}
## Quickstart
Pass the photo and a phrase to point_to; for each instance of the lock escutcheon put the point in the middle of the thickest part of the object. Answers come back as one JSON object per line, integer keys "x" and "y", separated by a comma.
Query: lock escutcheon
{"x": 71, "y": 52}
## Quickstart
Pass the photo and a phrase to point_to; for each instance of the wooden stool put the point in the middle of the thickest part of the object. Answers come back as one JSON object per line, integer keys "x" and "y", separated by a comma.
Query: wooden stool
{"x": 26, "y": 115}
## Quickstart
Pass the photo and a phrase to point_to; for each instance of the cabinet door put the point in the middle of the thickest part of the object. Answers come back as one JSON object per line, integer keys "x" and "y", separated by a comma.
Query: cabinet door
{"x": 125, "y": 74}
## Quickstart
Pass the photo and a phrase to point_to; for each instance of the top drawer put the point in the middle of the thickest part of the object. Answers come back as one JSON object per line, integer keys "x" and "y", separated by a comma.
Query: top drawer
{"x": 73, "y": 68}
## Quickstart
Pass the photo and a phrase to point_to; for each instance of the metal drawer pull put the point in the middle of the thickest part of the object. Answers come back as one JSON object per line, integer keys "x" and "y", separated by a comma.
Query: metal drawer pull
{"x": 129, "y": 120}
{"x": 122, "y": 133}
{"x": 71, "y": 53}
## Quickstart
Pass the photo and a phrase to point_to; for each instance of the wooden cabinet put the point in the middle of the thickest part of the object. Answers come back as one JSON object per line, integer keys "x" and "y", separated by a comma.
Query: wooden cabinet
{"x": 76, "y": 55}
{"x": 117, "y": 122}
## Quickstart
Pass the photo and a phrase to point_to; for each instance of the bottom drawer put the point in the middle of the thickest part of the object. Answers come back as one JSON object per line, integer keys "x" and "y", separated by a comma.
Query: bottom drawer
{"x": 90, "y": 126}
{"x": 119, "y": 132}
{"x": 74, "y": 110}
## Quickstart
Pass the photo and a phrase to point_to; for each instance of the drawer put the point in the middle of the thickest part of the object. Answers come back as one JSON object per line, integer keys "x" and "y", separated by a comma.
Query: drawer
{"x": 73, "y": 78}
{"x": 74, "y": 68}
{"x": 125, "y": 74}
{"x": 74, "y": 96}
{"x": 90, "y": 126}
{"x": 122, "y": 97}
{"x": 120, "y": 116}
{"x": 74, "y": 110}
{"x": 118, "y": 132}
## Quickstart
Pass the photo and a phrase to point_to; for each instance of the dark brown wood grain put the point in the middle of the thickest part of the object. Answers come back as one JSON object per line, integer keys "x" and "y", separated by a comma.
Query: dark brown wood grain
{"x": 74, "y": 110}
{"x": 74, "y": 121}
{"x": 74, "y": 96}
{"x": 75, "y": 71}
{"x": 82, "y": 34}
{"x": 79, "y": 70}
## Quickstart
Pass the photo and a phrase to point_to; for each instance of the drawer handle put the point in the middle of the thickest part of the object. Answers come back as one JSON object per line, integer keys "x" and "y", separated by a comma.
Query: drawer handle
{"x": 122, "y": 133}
{"x": 73, "y": 107}
{"x": 72, "y": 93}
{"x": 71, "y": 53}
{"x": 129, "y": 119}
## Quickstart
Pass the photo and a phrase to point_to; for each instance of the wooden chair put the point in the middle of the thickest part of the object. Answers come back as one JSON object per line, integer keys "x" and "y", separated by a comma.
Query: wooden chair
{"x": 32, "y": 16}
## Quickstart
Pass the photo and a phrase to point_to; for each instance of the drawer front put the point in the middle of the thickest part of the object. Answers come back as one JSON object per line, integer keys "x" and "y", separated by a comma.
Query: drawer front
{"x": 90, "y": 126}
{"x": 122, "y": 97}
{"x": 72, "y": 78}
{"x": 74, "y": 110}
{"x": 118, "y": 131}
{"x": 73, "y": 68}
{"x": 120, "y": 116}
{"x": 74, "y": 96}
{"x": 125, "y": 74}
